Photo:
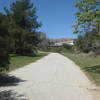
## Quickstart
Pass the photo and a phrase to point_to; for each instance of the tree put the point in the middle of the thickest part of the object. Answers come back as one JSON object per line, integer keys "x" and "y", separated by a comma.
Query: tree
{"x": 88, "y": 25}
{"x": 88, "y": 16}
{"x": 4, "y": 43}
{"x": 23, "y": 26}
{"x": 18, "y": 26}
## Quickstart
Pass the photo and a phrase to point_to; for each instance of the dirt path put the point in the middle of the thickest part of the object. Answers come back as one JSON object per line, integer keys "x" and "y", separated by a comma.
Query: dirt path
{"x": 54, "y": 77}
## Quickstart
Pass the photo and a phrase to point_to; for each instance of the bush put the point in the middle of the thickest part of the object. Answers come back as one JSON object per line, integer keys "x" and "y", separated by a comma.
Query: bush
{"x": 88, "y": 42}
{"x": 61, "y": 49}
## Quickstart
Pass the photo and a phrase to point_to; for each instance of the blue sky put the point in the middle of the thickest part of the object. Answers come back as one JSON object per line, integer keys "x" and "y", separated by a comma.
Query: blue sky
{"x": 57, "y": 16}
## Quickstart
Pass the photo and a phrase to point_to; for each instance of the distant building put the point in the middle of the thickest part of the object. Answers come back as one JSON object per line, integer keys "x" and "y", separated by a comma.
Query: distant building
{"x": 61, "y": 42}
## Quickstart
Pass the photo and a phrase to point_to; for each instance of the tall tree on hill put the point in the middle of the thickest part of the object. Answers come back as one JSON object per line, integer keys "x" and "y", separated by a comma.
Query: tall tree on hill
{"x": 23, "y": 25}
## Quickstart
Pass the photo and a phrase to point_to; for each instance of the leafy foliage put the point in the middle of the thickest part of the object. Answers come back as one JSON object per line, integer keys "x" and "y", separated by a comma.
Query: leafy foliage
{"x": 88, "y": 25}
{"x": 23, "y": 16}
{"x": 18, "y": 28}
{"x": 88, "y": 16}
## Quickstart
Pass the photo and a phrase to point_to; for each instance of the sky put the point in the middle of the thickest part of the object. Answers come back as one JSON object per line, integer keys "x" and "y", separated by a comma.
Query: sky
{"x": 57, "y": 16}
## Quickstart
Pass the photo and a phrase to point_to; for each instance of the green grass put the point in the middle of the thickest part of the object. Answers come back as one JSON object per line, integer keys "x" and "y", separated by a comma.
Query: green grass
{"x": 89, "y": 64}
{"x": 20, "y": 61}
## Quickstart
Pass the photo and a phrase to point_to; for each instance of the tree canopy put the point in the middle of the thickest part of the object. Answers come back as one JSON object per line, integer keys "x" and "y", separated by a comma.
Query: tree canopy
{"x": 88, "y": 15}
{"x": 18, "y": 31}
{"x": 87, "y": 25}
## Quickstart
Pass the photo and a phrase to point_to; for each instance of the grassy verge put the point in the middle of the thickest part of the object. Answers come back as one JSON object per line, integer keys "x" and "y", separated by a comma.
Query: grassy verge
{"x": 89, "y": 64}
{"x": 20, "y": 61}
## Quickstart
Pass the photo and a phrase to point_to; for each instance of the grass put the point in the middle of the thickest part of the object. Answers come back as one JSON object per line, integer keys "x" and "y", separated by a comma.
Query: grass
{"x": 89, "y": 64}
{"x": 20, "y": 61}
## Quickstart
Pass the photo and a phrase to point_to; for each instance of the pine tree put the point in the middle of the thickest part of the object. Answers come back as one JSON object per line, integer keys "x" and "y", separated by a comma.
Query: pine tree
{"x": 23, "y": 21}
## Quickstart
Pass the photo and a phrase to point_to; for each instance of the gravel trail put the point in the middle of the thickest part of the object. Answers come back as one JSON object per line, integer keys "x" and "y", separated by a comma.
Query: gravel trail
{"x": 54, "y": 77}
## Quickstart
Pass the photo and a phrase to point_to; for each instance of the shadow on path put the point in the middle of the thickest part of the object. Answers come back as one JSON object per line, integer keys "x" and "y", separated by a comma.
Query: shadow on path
{"x": 8, "y": 80}
{"x": 9, "y": 95}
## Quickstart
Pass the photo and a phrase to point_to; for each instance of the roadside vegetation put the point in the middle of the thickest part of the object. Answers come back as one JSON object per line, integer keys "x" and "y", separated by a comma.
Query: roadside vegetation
{"x": 88, "y": 63}
{"x": 61, "y": 49}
